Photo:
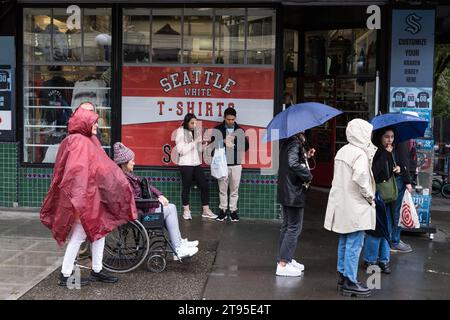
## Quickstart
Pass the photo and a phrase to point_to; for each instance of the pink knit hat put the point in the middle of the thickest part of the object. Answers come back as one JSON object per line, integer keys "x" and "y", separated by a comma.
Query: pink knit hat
{"x": 122, "y": 154}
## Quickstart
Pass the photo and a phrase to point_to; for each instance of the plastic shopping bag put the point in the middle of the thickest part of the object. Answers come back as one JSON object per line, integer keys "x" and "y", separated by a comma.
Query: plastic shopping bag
{"x": 408, "y": 213}
{"x": 219, "y": 168}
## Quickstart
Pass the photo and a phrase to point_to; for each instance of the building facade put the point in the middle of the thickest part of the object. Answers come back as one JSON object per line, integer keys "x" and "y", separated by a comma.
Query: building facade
{"x": 145, "y": 65}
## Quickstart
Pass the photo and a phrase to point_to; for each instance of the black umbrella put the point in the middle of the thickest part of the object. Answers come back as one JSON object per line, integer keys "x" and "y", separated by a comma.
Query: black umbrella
{"x": 381, "y": 229}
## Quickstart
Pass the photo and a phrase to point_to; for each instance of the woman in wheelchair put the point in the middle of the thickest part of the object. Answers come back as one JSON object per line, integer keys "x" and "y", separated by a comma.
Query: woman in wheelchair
{"x": 184, "y": 248}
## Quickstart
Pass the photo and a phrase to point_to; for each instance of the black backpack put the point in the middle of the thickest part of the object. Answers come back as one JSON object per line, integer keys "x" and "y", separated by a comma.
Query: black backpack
{"x": 145, "y": 190}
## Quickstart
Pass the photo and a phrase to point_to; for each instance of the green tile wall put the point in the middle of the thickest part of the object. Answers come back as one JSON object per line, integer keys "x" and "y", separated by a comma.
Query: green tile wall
{"x": 8, "y": 174}
{"x": 33, "y": 185}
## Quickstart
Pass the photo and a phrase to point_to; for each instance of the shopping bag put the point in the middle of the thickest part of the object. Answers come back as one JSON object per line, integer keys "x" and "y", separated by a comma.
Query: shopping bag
{"x": 219, "y": 168}
{"x": 409, "y": 218}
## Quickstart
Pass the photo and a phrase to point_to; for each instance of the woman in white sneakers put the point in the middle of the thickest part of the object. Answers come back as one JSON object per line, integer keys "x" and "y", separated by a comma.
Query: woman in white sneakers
{"x": 188, "y": 146}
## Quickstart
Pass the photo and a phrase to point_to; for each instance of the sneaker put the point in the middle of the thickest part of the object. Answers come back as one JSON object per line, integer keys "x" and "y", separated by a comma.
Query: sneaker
{"x": 401, "y": 247}
{"x": 297, "y": 265}
{"x": 288, "y": 271}
{"x": 234, "y": 216}
{"x": 63, "y": 281}
{"x": 385, "y": 268}
{"x": 222, "y": 215}
{"x": 209, "y": 214}
{"x": 103, "y": 276}
{"x": 183, "y": 252}
{"x": 358, "y": 289}
{"x": 187, "y": 215}
{"x": 189, "y": 244}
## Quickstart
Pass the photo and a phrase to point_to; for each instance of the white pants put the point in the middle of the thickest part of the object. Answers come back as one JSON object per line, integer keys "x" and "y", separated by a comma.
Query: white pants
{"x": 171, "y": 221}
{"x": 233, "y": 181}
{"x": 77, "y": 237}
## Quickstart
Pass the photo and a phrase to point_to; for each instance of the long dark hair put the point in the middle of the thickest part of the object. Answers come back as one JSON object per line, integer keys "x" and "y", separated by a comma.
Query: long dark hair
{"x": 187, "y": 119}
{"x": 378, "y": 135}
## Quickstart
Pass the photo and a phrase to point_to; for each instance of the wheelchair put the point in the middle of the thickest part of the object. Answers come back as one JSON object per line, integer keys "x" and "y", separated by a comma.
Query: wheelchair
{"x": 129, "y": 245}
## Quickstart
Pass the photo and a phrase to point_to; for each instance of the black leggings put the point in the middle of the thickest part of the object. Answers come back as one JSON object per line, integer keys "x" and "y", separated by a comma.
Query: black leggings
{"x": 187, "y": 176}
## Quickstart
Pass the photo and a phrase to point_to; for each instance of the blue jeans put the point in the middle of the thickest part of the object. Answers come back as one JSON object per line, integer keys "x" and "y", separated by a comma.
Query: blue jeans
{"x": 396, "y": 230}
{"x": 349, "y": 249}
{"x": 379, "y": 245}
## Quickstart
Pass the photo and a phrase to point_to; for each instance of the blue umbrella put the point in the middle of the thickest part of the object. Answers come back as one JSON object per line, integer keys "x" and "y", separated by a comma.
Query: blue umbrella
{"x": 298, "y": 118}
{"x": 406, "y": 126}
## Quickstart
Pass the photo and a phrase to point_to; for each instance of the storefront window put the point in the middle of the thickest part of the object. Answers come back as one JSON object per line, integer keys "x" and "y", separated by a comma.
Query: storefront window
{"x": 96, "y": 31}
{"x": 136, "y": 35}
{"x": 261, "y": 36}
{"x": 63, "y": 68}
{"x": 290, "y": 51}
{"x": 340, "y": 52}
{"x": 230, "y": 36}
{"x": 166, "y": 36}
{"x": 199, "y": 36}
{"x": 197, "y": 40}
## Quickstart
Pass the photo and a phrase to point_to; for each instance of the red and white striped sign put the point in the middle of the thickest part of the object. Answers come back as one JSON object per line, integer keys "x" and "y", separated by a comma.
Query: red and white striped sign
{"x": 156, "y": 99}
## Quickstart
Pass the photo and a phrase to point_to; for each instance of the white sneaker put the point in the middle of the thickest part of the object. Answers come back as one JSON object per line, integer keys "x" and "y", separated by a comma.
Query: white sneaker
{"x": 189, "y": 244}
{"x": 288, "y": 271}
{"x": 187, "y": 215}
{"x": 209, "y": 214}
{"x": 297, "y": 265}
{"x": 184, "y": 252}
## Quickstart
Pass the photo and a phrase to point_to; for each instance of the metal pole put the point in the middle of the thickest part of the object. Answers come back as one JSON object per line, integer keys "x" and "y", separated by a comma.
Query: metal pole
{"x": 377, "y": 92}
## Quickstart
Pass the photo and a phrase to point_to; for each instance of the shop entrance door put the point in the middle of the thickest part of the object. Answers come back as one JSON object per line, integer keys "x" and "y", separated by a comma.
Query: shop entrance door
{"x": 323, "y": 90}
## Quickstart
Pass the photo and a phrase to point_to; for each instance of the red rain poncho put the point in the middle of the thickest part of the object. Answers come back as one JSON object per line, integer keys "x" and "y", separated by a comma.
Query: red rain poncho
{"x": 86, "y": 184}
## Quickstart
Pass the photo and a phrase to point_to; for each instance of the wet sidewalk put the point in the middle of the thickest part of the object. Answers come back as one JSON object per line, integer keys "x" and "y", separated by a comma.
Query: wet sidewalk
{"x": 236, "y": 261}
{"x": 28, "y": 254}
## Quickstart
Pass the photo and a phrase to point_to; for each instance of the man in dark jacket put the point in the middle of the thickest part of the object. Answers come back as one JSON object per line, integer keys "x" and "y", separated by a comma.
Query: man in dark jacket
{"x": 294, "y": 177}
{"x": 403, "y": 155}
{"x": 235, "y": 142}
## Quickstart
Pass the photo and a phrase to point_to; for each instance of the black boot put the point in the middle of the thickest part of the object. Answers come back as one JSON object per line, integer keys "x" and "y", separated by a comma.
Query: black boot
{"x": 65, "y": 282}
{"x": 103, "y": 276}
{"x": 385, "y": 268}
{"x": 341, "y": 280}
{"x": 366, "y": 265}
{"x": 357, "y": 289}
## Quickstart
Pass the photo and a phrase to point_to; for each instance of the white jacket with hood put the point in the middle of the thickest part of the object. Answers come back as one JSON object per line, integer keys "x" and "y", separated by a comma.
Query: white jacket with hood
{"x": 188, "y": 151}
{"x": 349, "y": 206}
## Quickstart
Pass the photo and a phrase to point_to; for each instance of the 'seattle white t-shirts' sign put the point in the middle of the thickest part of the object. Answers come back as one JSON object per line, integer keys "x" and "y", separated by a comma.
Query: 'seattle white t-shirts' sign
{"x": 155, "y": 100}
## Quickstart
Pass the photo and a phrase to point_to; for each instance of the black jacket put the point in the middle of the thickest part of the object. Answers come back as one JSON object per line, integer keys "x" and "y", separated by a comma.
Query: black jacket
{"x": 292, "y": 174}
{"x": 383, "y": 165}
{"x": 404, "y": 159}
{"x": 234, "y": 156}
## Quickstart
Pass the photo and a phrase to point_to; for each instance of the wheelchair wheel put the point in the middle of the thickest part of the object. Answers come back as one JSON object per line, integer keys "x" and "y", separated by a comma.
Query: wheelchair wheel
{"x": 126, "y": 247}
{"x": 436, "y": 187}
{"x": 157, "y": 257}
{"x": 156, "y": 263}
{"x": 446, "y": 191}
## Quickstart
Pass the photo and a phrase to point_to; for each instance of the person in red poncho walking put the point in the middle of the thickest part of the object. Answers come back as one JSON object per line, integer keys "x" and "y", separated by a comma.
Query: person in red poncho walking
{"x": 88, "y": 198}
